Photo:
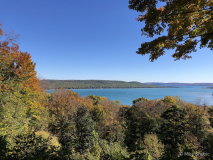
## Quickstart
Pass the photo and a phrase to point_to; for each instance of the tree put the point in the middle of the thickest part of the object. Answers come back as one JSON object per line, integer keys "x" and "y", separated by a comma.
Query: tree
{"x": 12, "y": 114}
{"x": 153, "y": 146}
{"x": 84, "y": 129}
{"x": 33, "y": 146}
{"x": 139, "y": 100}
{"x": 173, "y": 129}
{"x": 17, "y": 69}
{"x": 188, "y": 23}
{"x": 210, "y": 112}
{"x": 138, "y": 123}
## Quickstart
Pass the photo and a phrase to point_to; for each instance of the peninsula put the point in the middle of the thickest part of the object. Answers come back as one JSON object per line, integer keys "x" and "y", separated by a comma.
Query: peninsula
{"x": 94, "y": 84}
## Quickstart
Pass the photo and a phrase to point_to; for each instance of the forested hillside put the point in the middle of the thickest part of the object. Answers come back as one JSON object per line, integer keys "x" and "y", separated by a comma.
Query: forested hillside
{"x": 89, "y": 84}
{"x": 180, "y": 84}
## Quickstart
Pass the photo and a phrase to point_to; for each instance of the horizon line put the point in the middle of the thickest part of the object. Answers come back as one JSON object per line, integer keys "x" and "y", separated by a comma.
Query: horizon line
{"x": 120, "y": 80}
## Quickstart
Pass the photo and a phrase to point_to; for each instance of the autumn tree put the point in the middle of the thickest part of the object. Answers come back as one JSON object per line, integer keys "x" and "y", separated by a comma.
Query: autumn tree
{"x": 139, "y": 100}
{"x": 153, "y": 146}
{"x": 188, "y": 24}
{"x": 62, "y": 105}
{"x": 12, "y": 114}
{"x": 106, "y": 116}
{"x": 18, "y": 70}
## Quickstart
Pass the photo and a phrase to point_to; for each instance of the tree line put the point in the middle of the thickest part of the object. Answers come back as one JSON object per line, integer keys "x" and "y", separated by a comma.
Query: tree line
{"x": 92, "y": 84}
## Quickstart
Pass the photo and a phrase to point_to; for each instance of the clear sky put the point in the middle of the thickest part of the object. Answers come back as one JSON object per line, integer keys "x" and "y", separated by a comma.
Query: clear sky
{"x": 94, "y": 39}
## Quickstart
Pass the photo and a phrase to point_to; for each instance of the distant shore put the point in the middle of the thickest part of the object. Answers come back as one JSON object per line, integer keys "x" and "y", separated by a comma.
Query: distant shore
{"x": 118, "y": 88}
{"x": 95, "y": 84}
{"x": 209, "y": 87}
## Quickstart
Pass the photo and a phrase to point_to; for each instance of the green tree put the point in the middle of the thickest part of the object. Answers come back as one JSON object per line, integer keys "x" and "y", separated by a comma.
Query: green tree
{"x": 34, "y": 147}
{"x": 84, "y": 130}
{"x": 95, "y": 99}
{"x": 208, "y": 144}
{"x": 139, "y": 100}
{"x": 187, "y": 22}
{"x": 173, "y": 128}
{"x": 3, "y": 147}
{"x": 138, "y": 124}
{"x": 210, "y": 112}
{"x": 14, "y": 120}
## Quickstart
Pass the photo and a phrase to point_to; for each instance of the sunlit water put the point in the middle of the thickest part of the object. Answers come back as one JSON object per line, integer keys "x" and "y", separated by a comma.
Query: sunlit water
{"x": 126, "y": 96}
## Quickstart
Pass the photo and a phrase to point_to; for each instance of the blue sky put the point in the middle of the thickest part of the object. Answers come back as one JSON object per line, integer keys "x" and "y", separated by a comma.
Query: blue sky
{"x": 93, "y": 39}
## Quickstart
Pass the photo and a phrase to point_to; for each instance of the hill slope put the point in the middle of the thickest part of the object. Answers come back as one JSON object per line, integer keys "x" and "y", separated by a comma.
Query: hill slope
{"x": 92, "y": 84}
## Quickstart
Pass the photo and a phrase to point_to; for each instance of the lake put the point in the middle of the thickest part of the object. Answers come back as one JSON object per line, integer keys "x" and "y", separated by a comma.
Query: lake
{"x": 126, "y": 96}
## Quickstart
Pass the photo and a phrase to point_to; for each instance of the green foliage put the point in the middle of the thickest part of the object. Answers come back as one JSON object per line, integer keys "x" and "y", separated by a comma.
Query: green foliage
{"x": 84, "y": 130}
{"x": 187, "y": 22}
{"x": 208, "y": 144}
{"x": 153, "y": 146}
{"x": 12, "y": 114}
{"x": 3, "y": 147}
{"x": 140, "y": 99}
{"x": 170, "y": 99}
{"x": 32, "y": 147}
{"x": 95, "y": 99}
{"x": 92, "y": 84}
{"x": 112, "y": 151}
{"x": 138, "y": 124}
{"x": 116, "y": 102}
{"x": 210, "y": 112}
{"x": 174, "y": 128}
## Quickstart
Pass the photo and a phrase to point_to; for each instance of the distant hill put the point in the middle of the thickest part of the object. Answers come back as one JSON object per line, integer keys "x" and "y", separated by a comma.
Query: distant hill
{"x": 180, "y": 84}
{"x": 93, "y": 84}
{"x": 209, "y": 87}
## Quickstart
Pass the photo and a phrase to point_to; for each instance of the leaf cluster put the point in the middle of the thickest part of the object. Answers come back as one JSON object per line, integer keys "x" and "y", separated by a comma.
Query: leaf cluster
{"x": 188, "y": 24}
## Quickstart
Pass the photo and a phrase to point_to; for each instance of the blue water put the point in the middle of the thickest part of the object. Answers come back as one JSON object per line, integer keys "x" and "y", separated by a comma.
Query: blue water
{"x": 126, "y": 96}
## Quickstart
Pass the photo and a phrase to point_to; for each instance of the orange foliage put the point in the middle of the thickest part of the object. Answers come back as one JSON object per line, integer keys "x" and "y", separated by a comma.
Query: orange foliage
{"x": 17, "y": 63}
{"x": 17, "y": 68}
{"x": 1, "y": 32}
{"x": 108, "y": 114}
{"x": 66, "y": 102}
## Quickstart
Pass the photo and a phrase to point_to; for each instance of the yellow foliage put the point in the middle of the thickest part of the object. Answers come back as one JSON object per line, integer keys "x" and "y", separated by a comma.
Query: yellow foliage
{"x": 46, "y": 135}
{"x": 170, "y": 99}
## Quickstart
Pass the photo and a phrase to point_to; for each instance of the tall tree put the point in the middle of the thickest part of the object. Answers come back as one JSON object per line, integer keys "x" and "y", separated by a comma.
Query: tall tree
{"x": 153, "y": 146}
{"x": 84, "y": 129}
{"x": 173, "y": 129}
{"x": 138, "y": 124}
{"x": 17, "y": 69}
{"x": 187, "y": 22}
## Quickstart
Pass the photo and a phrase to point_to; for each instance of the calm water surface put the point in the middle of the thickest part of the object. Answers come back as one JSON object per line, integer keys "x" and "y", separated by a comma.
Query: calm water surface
{"x": 126, "y": 96}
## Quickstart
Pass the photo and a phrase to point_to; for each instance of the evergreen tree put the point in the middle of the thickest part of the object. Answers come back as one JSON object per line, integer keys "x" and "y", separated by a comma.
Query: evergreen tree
{"x": 173, "y": 128}
{"x": 84, "y": 129}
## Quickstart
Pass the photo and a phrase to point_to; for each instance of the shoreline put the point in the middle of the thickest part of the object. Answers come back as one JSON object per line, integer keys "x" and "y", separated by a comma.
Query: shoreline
{"x": 118, "y": 88}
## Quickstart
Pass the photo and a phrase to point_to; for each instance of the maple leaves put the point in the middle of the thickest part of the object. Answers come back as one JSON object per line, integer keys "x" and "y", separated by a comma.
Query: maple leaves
{"x": 188, "y": 23}
{"x": 16, "y": 65}
{"x": 18, "y": 75}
